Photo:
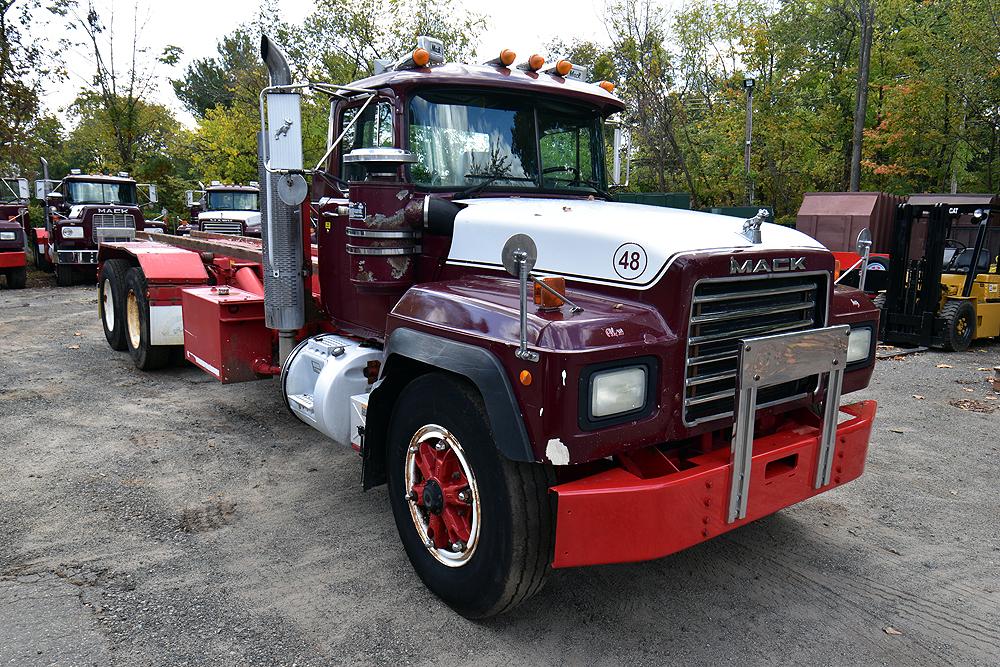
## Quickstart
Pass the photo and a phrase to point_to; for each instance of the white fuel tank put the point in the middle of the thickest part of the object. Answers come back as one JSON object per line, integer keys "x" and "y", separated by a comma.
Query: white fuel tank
{"x": 319, "y": 378}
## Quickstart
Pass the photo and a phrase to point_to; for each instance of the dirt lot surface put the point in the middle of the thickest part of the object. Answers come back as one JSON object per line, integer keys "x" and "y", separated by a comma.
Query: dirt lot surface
{"x": 166, "y": 519}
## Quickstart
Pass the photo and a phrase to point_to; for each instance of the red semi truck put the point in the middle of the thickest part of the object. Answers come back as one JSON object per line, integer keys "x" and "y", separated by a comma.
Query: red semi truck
{"x": 543, "y": 377}
{"x": 224, "y": 209}
{"x": 83, "y": 211}
{"x": 14, "y": 226}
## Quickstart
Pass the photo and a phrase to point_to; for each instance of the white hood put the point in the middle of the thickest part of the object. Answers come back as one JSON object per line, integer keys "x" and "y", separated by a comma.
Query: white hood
{"x": 627, "y": 245}
{"x": 249, "y": 217}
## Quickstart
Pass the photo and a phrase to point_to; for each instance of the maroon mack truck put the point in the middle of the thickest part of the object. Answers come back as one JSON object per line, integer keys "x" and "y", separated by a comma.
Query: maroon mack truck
{"x": 83, "y": 211}
{"x": 14, "y": 227}
{"x": 543, "y": 377}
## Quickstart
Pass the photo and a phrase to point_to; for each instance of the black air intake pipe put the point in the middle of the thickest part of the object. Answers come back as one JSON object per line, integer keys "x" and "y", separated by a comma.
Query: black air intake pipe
{"x": 281, "y": 231}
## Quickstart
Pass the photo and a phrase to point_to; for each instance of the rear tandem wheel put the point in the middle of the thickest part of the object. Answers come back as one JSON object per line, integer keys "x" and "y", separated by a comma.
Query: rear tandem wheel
{"x": 145, "y": 355}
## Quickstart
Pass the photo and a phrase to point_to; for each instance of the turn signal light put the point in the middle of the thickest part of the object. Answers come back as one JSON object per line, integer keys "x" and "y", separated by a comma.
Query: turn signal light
{"x": 563, "y": 67}
{"x": 525, "y": 377}
{"x": 545, "y": 299}
{"x": 836, "y": 270}
{"x": 607, "y": 85}
{"x": 421, "y": 57}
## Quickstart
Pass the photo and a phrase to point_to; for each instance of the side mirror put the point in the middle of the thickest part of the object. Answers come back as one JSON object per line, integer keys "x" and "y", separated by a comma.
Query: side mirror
{"x": 41, "y": 189}
{"x": 22, "y": 189}
{"x": 189, "y": 197}
{"x": 153, "y": 198}
{"x": 622, "y": 140}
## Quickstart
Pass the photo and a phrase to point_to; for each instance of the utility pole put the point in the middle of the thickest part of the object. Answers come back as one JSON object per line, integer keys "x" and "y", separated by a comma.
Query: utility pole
{"x": 748, "y": 85}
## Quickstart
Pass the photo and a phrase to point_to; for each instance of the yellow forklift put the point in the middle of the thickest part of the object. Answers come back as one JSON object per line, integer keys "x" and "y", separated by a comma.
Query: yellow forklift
{"x": 949, "y": 294}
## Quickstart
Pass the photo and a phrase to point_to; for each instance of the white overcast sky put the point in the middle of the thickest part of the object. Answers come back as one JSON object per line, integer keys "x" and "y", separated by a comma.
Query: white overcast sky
{"x": 522, "y": 25}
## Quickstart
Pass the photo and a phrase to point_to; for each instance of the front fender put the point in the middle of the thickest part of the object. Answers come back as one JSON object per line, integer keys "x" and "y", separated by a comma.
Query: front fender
{"x": 410, "y": 353}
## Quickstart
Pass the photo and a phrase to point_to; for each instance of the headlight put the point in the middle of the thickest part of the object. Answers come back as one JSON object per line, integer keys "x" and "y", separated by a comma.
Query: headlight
{"x": 72, "y": 232}
{"x": 8, "y": 236}
{"x": 617, "y": 391}
{"x": 859, "y": 344}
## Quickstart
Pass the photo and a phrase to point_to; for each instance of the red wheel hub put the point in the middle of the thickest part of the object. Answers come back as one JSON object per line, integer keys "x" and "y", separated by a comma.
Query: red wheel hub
{"x": 442, "y": 493}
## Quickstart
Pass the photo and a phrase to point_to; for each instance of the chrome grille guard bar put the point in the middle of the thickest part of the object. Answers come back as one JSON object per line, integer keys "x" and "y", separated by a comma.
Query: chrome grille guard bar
{"x": 771, "y": 360}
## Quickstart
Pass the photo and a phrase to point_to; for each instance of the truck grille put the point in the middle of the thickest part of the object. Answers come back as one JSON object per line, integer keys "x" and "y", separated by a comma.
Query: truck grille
{"x": 222, "y": 226}
{"x": 725, "y": 310}
{"x": 109, "y": 227}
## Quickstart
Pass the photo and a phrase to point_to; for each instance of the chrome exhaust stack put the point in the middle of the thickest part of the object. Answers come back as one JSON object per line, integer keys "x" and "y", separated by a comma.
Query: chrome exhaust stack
{"x": 279, "y": 162}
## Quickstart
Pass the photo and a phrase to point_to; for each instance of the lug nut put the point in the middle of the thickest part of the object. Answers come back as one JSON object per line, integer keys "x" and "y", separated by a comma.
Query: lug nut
{"x": 440, "y": 446}
{"x": 457, "y": 547}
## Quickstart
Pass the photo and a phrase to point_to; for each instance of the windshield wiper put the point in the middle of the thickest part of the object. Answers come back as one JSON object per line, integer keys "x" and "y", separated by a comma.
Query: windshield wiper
{"x": 598, "y": 189}
{"x": 489, "y": 180}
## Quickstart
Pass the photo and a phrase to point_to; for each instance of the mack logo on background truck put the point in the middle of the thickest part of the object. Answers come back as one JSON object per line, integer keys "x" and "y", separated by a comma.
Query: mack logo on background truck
{"x": 76, "y": 222}
{"x": 543, "y": 377}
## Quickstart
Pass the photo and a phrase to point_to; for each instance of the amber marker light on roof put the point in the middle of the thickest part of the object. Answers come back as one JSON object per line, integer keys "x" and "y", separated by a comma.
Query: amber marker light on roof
{"x": 507, "y": 57}
{"x": 535, "y": 63}
{"x": 563, "y": 67}
{"x": 607, "y": 85}
{"x": 421, "y": 57}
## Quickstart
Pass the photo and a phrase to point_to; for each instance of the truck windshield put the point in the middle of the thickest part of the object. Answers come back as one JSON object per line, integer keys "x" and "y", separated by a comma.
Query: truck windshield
{"x": 232, "y": 201}
{"x": 82, "y": 192}
{"x": 463, "y": 139}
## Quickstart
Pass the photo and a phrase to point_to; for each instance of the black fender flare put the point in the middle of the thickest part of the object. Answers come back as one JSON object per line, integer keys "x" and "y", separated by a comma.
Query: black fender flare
{"x": 409, "y": 353}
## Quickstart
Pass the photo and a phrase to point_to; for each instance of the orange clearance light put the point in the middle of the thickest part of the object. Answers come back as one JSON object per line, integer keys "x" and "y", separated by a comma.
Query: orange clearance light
{"x": 545, "y": 299}
{"x": 525, "y": 378}
{"x": 421, "y": 57}
{"x": 836, "y": 269}
{"x": 536, "y": 62}
{"x": 507, "y": 57}
{"x": 563, "y": 67}
{"x": 607, "y": 85}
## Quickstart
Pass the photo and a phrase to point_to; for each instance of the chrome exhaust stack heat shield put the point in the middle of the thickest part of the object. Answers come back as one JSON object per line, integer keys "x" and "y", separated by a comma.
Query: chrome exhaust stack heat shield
{"x": 279, "y": 157}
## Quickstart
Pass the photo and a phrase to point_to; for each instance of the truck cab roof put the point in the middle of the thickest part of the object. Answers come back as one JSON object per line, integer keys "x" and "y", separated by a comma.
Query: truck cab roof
{"x": 480, "y": 76}
{"x": 97, "y": 178}
{"x": 232, "y": 188}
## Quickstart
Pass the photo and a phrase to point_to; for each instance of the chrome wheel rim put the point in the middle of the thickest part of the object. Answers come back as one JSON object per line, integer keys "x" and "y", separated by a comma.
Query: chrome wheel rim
{"x": 108, "y": 305}
{"x": 442, "y": 495}
{"x": 132, "y": 308}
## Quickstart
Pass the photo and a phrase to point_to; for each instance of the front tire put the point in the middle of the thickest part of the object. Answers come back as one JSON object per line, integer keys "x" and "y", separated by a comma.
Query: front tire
{"x": 146, "y": 356}
{"x": 111, "y": 302}
{"x": 478, "y": 528}
{"x": 959, "y": 325}
{"x": 64, "y": 275}
{"x": 17, "y": 278}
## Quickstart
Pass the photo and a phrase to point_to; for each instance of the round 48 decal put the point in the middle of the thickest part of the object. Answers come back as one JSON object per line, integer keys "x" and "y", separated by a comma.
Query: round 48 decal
{"x": 630, "y": 261}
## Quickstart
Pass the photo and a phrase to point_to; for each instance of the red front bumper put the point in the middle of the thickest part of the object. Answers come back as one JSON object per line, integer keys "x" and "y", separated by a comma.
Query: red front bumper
{"x": 615, "y": 517}
{"x": 12, "y": 259}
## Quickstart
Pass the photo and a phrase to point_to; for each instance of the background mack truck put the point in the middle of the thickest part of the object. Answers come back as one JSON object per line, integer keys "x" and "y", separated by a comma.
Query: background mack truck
{"x": 223, "y": 209}
{"x": 543, "y": 377}
{"x": 14, "y": 226}
{"x": 82, "y": 211}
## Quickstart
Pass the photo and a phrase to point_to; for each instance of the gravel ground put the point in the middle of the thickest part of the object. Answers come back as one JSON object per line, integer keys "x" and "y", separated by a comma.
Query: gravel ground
{"x": 166, "y": 519}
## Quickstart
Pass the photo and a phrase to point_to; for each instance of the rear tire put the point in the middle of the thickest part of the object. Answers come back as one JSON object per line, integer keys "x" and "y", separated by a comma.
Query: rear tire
{"x": 147, "y": 357}
{"x": 111, "y": 302}
{"x": 64, "y": 275}
{"x": 960, "y": 325}
{"x": 17, "y": 278}
{"x": 505, "y": 512}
